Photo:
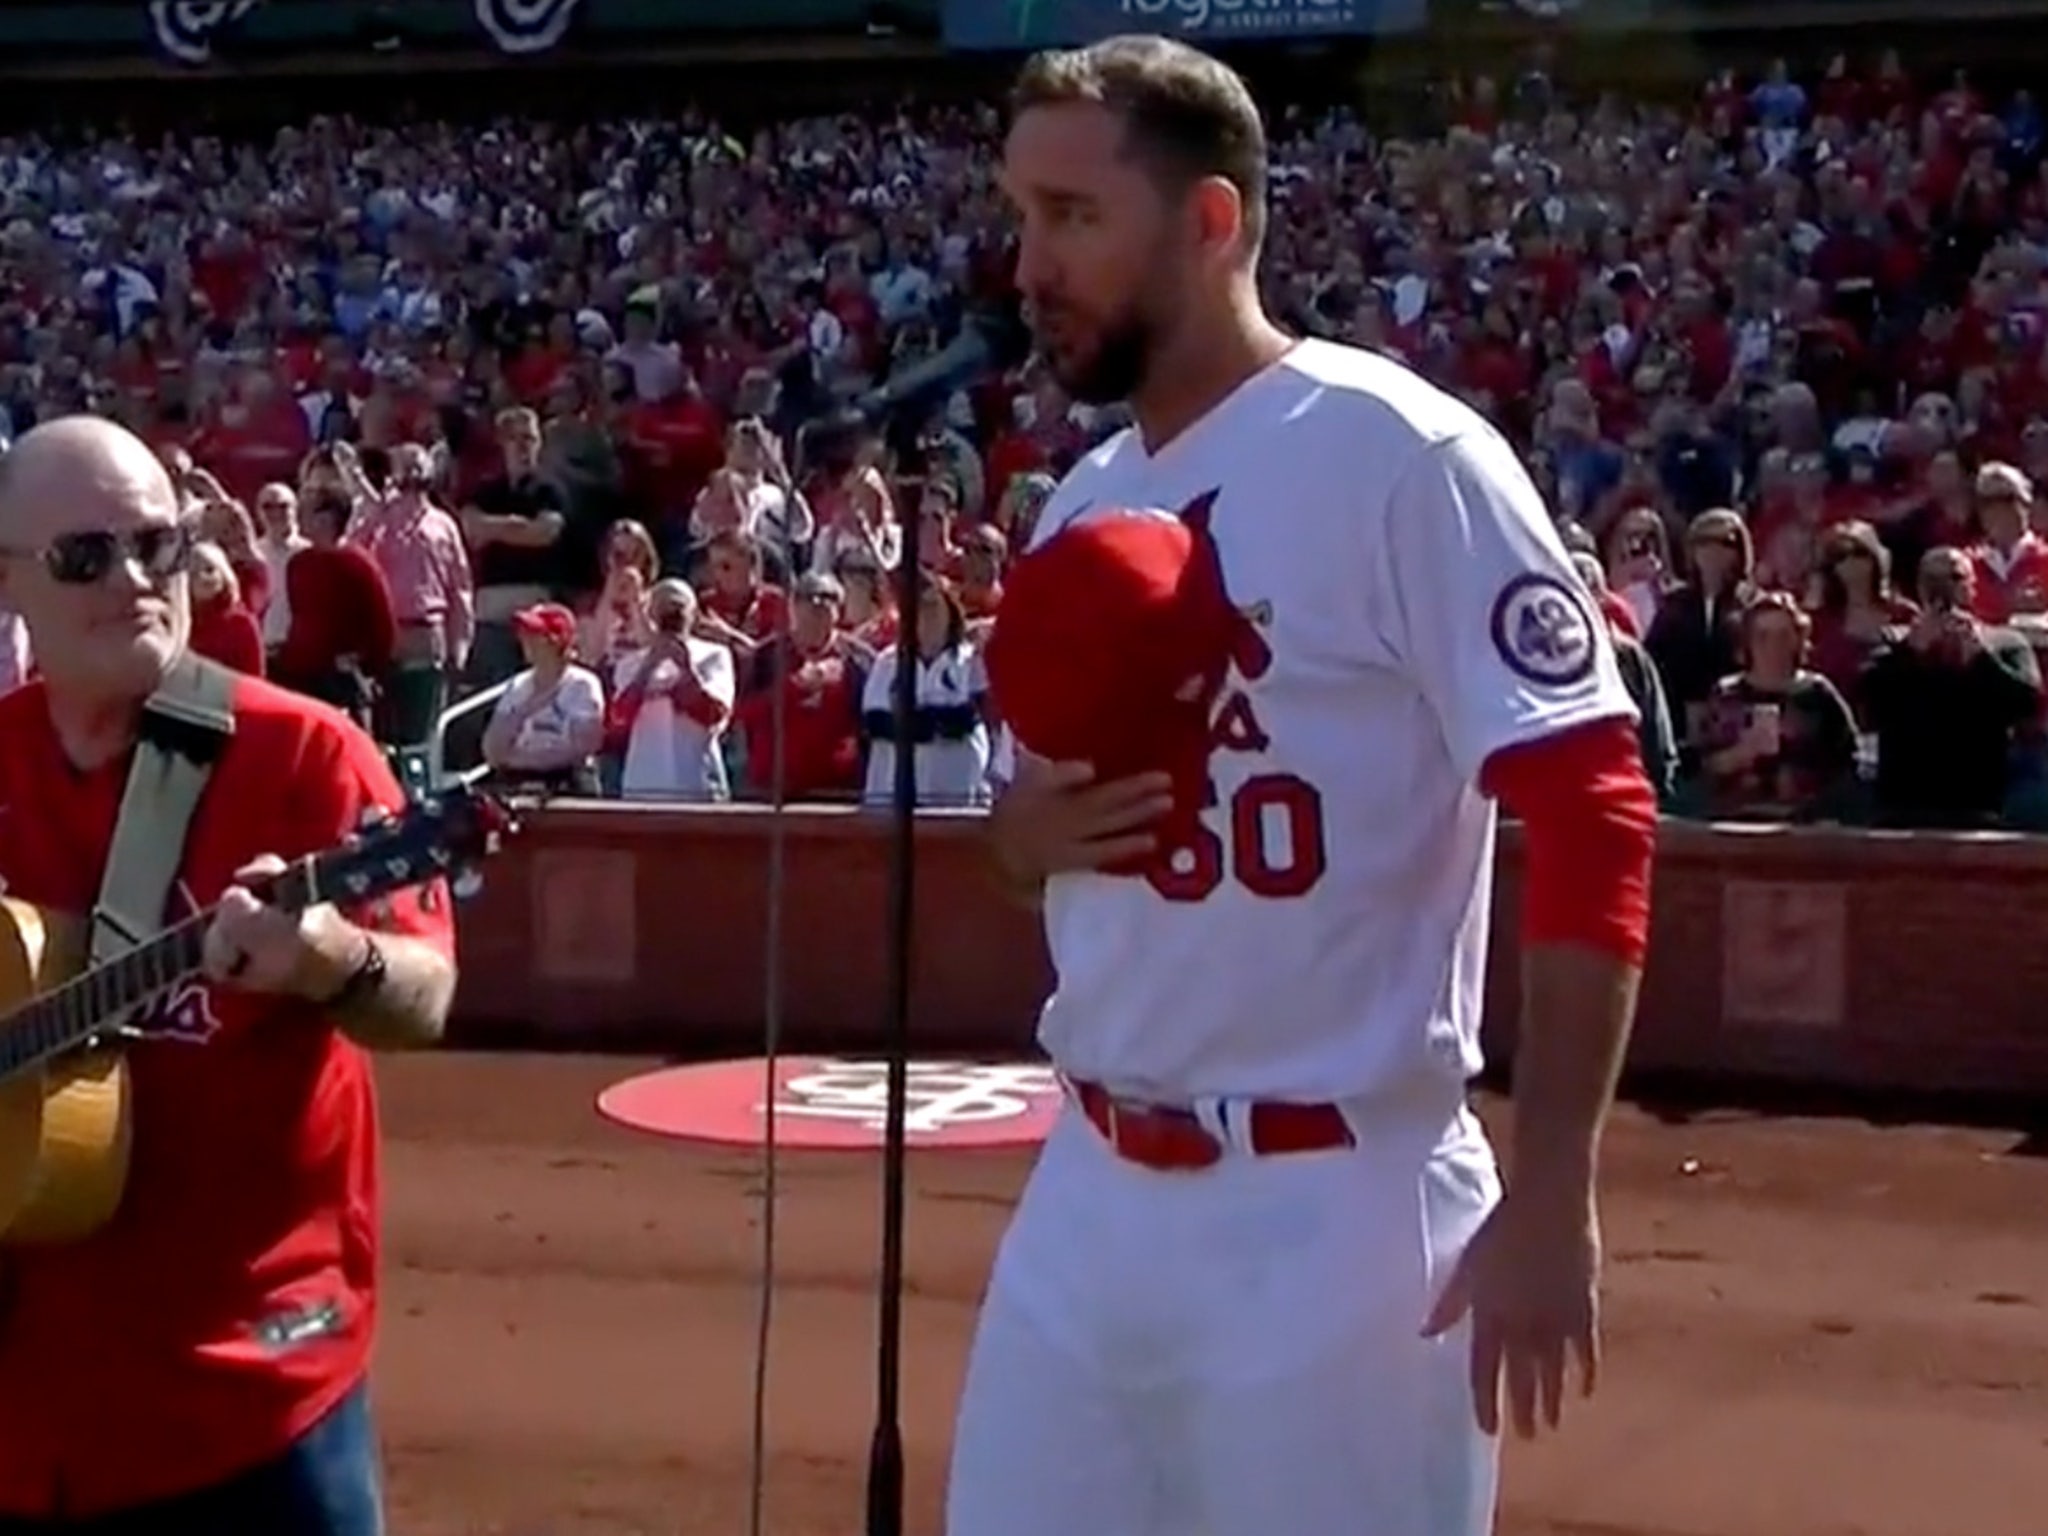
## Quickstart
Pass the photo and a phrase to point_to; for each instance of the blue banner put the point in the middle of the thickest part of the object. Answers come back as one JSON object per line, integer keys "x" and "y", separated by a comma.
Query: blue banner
{"x": 1017, "y": 24}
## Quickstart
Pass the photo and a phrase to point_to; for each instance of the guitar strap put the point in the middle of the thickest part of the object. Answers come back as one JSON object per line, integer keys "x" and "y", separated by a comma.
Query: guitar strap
{"x": 185, "y": 725}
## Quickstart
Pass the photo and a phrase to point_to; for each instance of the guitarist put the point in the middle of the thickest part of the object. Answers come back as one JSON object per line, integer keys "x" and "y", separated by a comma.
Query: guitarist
{"x": 199, "y": 1363}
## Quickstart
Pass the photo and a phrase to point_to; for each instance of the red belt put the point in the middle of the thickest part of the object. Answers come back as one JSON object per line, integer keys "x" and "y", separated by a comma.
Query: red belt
{"x": 1172, "y": 1140}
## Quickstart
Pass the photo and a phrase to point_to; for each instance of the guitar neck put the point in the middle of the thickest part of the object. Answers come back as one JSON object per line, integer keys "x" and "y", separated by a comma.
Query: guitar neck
{"x": 70, "y": 1015}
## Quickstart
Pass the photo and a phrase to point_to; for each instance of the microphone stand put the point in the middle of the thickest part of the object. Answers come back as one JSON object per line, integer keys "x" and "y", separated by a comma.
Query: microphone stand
{"x": 996, "y": 340}
{"x": 885, "y": 1451}
{"x": 885, "y": 1448}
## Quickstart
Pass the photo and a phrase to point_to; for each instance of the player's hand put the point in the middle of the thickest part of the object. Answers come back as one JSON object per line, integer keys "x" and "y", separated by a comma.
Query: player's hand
{"x": 256, "y": 947}
{"x": 1530, "y": 1281}
{"x": 1056, "y": 817}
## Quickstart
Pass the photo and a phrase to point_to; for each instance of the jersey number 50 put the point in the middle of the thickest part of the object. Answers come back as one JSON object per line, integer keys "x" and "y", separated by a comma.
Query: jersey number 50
{"x": 1273, "y": 844}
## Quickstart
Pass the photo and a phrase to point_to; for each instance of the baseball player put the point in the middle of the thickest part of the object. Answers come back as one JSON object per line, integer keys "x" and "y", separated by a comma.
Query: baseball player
{"x": 1264, "y": 1278}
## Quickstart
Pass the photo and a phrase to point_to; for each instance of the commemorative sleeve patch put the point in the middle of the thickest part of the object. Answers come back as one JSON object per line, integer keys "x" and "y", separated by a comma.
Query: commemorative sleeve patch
{"x": 1543, "y": 630}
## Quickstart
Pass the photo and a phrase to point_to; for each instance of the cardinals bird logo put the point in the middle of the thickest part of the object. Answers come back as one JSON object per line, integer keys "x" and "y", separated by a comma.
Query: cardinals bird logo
{"x": 1248, "y": 650}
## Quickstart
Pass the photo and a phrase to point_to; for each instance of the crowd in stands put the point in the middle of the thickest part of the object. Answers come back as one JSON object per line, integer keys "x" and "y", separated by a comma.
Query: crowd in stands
{"x": 457, "y": 405}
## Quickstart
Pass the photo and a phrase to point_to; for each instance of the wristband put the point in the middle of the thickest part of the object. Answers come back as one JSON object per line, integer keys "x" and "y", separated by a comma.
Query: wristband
{"x": 364, "y": 982}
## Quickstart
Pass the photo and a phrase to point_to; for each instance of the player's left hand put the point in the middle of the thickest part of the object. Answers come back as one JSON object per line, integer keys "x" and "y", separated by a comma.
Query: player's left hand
{"x": 257, "y": 947}
{"x": 1530, "y": 1280}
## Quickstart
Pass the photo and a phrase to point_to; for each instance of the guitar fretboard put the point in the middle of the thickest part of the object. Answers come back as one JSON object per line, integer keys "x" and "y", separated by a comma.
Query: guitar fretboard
{"x": 70, "y": 1015}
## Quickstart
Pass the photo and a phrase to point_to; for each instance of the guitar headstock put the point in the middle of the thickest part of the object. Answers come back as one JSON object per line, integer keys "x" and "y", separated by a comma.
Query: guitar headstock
{"x": 444, "y": 837}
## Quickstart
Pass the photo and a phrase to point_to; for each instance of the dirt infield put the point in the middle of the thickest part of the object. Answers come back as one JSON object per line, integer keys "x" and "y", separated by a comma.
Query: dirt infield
{"x": 1814, "y": 1327}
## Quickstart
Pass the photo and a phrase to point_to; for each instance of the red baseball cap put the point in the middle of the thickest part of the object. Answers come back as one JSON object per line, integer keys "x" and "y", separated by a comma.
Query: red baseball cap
{"x": 1111, "y": 644}
{"x": 550, "y": 621}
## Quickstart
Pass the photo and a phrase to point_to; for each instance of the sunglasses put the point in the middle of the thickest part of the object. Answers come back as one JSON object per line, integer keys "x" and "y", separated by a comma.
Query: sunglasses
{"x": 83, "y": 559}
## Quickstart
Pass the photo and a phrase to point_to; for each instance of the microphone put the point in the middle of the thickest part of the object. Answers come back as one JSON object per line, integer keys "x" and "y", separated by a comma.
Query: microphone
{"x": 990, "y": 341}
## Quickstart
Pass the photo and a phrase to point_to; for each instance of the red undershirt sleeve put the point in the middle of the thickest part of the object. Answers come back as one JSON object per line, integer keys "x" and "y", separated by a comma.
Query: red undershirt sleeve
{"x": 1589, "y": 835}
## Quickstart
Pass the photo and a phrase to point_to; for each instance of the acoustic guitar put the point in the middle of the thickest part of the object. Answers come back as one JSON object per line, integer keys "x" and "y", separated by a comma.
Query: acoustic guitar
{"x": 65, "y": 1124}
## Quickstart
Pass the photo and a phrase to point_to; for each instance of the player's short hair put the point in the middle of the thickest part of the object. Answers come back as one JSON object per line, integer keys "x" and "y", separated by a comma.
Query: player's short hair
{"x": 1186, "y": 116}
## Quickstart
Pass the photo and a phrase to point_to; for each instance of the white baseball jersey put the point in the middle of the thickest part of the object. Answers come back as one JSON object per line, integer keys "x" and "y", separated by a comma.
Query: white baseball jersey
{"x": 1409, "y": 611}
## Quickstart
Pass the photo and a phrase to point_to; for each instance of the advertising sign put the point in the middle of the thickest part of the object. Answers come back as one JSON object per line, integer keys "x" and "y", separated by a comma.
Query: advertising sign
{"x": 1021, "y": 24}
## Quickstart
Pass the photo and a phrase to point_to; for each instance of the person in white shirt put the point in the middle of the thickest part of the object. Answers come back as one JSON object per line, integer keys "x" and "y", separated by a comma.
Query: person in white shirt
{"x": 950, "y": 719}
{"x": 671, "y": 702}
{"x": 546, "y": 727}
{"x": 277, "y": 540}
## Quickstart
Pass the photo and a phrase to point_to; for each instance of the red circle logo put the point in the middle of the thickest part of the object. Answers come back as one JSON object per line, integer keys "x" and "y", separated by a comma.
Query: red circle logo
{"x": 840, "y": 1102}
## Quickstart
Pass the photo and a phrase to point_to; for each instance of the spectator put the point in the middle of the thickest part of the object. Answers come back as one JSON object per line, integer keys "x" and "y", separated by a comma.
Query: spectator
{"x": 1777, "y": 741}
{"x": 738, "y": 608}
{"x": 1017, "y": 514}
{"x": 547, "y": 727}
{"x": 938, "y": 510}
{"x": 983, "y": 554}
{"x": 515, "y": 525}
{"x": 1697, "y": 632}
{"x": 671, "y": 702}
{"x": 343, "y": 634}
{"x": 2009, "y": 566}
{"x": 1949, "y": 698}
{"x": 617, "y": 622}
{"x": 819, "y": 678}
{"x": 868, "y": 607}
{"x": 1638, "y": 564}
{"x": 219, "y": 518}
{"x": 223, "y": 630}
{"x": 678, "y": 441}
{"x": 859, "y": 519}
{"x": 775, "y": 512}
{"x": 1857, "y": 609}
{"x": 418, "y": 547}
{"x": 278, "y": 539}
{"x": 1654, "y": 733}
{"x": 950, "y": 714}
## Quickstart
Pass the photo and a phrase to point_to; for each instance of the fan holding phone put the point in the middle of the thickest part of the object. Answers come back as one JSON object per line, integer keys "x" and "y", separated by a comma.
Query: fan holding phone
{"x": 1779, "y": 741}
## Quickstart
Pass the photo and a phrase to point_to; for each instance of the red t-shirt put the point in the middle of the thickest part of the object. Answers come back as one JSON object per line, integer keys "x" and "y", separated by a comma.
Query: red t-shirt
{"x": 227, "y": 633}
{"x": 683, "y": 441}
{"x": 267, "y": 445}
{"x": 821, "y": 710}
{"x": 142, "y": 1362}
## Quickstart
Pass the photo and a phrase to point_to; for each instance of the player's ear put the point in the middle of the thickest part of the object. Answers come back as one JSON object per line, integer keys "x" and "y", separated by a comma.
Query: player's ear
{"x": 1217, "y": 209}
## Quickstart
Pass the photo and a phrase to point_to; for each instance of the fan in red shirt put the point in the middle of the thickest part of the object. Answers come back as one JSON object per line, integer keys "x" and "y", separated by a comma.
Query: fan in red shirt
{"x": 258, "y": 435}
{"x": 223, "y": 629}
{"x": 343, "y": 632}
{"x": 820, "y": 687}
{"x": 199, "y": 1362}
{"x": 682, "y": 442}
{"x": 736, "y": 602}
{"x": 2010, "y": 563}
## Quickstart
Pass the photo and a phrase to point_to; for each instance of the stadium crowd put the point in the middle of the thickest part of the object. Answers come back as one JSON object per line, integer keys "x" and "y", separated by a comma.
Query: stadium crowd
{"x": 461, "y": 404}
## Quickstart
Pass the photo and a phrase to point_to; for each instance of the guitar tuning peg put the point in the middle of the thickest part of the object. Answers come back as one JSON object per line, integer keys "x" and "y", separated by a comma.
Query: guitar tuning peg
{"x": 466, "y": 884}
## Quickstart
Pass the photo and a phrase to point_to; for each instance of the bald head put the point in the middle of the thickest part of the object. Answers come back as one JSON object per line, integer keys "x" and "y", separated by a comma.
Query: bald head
{"x": 70, "y": 468}
{"x": 92, "y": 558}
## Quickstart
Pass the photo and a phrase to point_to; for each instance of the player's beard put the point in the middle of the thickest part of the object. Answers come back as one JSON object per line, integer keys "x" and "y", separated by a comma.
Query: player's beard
{"x": 1116, "y": 368}
{"x": 1113, "y": 369}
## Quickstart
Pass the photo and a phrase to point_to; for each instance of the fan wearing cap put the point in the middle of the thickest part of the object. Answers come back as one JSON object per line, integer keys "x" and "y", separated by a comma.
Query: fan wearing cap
{"x": 546, "y": 728}
{"x": 1272, "y": 657}
{"x": 671, "y": 702}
